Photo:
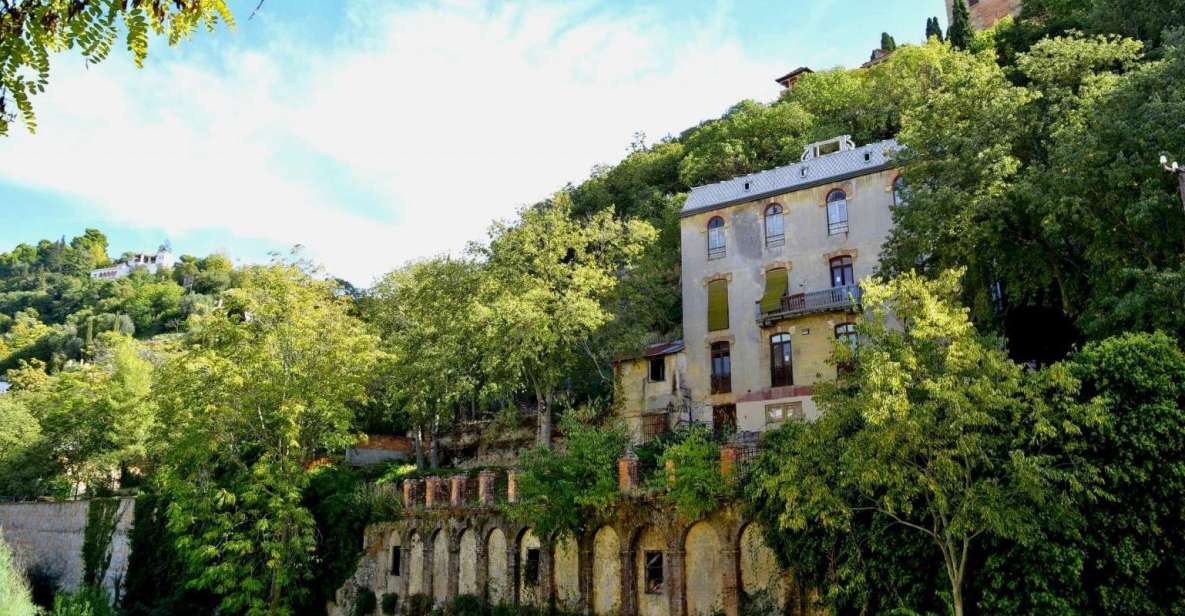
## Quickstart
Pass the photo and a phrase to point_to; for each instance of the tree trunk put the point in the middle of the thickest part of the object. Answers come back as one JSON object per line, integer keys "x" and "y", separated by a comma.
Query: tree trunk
{"x": 434, "y": 450}
{"x": 543, "y": 438}
{"x": 419, "y": 445}
{"x": 1181, "y": 183}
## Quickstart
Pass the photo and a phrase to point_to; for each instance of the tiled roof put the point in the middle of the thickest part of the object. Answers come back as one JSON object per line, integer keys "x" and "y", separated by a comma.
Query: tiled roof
{"x": 780, "y": 180}
{"x": 655, "y": 350}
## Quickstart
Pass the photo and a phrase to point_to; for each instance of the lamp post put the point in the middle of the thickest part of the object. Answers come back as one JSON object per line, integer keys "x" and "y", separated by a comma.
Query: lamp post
{"x": 1177, "y": 170}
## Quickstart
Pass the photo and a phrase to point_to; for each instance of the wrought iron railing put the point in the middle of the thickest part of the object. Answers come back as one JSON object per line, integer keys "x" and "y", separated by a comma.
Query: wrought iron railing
{"x": 829, "y": 300}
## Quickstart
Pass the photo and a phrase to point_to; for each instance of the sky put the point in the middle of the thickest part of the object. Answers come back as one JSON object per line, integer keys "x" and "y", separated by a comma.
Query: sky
{"x": 373, "y": 133}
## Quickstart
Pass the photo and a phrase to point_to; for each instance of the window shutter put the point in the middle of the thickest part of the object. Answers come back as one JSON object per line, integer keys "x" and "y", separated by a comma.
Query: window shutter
{"x": 776, "y": 284}
{"x": 717, "y": 305}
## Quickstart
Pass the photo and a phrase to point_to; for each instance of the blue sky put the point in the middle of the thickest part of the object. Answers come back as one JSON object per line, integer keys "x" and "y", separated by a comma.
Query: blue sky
{"x": 373, "y": 133}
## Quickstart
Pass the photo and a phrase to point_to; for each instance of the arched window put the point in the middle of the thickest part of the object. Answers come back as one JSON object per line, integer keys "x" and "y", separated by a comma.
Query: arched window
{"x": 837, "y": 212}
{"x": 721, "y": 368}
{"x": 775, "y": 231}
{"x": 716, "y": 238}
{"x": 900, "y": 192}
{"x": 781, "y": 367}
{"x": 842, "y": 274}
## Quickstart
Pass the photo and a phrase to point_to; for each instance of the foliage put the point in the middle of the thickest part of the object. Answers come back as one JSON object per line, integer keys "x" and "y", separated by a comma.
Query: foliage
{"x": 15, "y": 599}
{"x": 364, "y": 603}
{"x": 933, "y": 29}
{"x": 260, "y": 390}
{"x": 157, "y": 581}
{"x": 418, "y": 605}
{"x": 689, "y": 475}
{"x": 30, "y": 31}
{"x": 960, "y": 33}
{"x": 561, "y": 491}
{"x": 101, "y": 519}
{"x": 87, "y": 601}
{"x": 390, "y": 603}
{"x": 544, "y": 289}
{"x": 465, "y": 605}
{"x": 937, "y": 432}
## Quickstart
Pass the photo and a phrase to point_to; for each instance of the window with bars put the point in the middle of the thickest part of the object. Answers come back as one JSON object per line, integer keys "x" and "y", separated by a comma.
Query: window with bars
{"x": 837, "y": 212}
{"x": 716, "y": 248}
{"x": 653, "y": 580}
{"x": 775, "y": 229}
{"x": 721, "y": 368}
{"x": 781, "y": 367}
{"x": 654, "y": 425}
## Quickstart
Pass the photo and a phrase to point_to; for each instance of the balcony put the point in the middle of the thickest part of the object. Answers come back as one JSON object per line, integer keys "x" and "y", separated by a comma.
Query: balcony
{"x": 829, "y": 300}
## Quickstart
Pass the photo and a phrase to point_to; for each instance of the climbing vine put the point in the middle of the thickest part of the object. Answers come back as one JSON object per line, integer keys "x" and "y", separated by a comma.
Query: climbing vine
{"x": 101, "y": 518}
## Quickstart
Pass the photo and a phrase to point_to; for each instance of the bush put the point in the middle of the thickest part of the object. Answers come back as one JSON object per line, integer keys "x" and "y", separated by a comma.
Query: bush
{"x": 14, "y": 592}
{"x": 696, "y": 487}
{"x": 90, "y": 601}
{"x": 466, "y": 605}
{"x": 364, "y": 603}
{"x": 417, "y": 605}
{"x": 390, "y": 603}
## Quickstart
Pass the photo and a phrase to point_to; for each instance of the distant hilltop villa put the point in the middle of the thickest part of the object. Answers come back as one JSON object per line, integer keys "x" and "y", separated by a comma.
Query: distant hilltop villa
{"x": 152, "y": 262}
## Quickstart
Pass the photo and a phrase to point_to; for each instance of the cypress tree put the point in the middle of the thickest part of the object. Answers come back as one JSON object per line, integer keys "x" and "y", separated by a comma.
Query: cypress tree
{"x": 887, "y": 42}
{"x": 933, "y": 29}
{"x": 960, "y": 33}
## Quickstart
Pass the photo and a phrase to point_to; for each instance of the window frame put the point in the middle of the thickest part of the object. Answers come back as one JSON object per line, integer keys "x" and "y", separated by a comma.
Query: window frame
{"x": 661, "y": 362}
{"x": 653, "y": 572}
{"x": 531, "y": 567}
{"x": 788, "y": 411}
{"x": 720, "y": 354}
{"x": 771, "y": 211}
{"x": 781, "y": 360}
{"x": 846, "y": 265}
{"x": 717, "y": 243}
{"x": 835, "y": 225}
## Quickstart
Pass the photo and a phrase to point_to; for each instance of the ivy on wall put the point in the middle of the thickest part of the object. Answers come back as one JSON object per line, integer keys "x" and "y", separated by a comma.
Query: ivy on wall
{"x": 101, "y": 518}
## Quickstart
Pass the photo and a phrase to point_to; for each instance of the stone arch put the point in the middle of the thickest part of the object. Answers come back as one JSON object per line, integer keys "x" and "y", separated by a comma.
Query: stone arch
{"x": 499, "y": 592}
{"x": 467, "y": 567}
{"x": 566, "y": 574}
{"x": 651, "y": 601}
{"x": 440, "y": 557}
{"x": 704, "y": 569}
{"x": 606, "y": 583}
{"x": 415, "y": 563}
{"x": 530, "y": 592}
{"x": 761, "y": 578}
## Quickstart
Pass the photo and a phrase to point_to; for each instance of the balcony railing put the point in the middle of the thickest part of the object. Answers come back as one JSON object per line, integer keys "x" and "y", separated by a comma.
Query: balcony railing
{"x": 829, "y": 300}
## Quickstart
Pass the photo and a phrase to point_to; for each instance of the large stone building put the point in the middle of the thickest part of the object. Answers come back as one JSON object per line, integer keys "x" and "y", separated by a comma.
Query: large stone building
{"x": 985, "y": 13}
{"x": 771, "y": 263}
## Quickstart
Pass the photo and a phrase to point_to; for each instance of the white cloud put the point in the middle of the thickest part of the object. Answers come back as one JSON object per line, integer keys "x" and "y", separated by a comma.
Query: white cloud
{"x": 447, "y": 116}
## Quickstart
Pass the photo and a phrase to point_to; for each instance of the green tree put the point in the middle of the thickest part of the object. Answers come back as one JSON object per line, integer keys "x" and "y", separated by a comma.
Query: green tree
{"x": 544, "y": 293}
{"x": 934, "y": 432}
{"x": 15, "y": 599}
{"x": 425, "y": 313}
{"x": 887, "y": 42}
{"x": 260, "y": 389}
{"x": 960, "y": 33}
{"x": 689, "y": 475}
{"x": 933, "y": 29}
{"x": 32, "y": 30}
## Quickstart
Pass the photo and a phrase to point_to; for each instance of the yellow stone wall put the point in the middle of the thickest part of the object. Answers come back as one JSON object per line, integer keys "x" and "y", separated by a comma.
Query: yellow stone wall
{"x": 467, "y": 568}
{"x": 567, "y": 575}
{"x": 638, "y": 395}
{"x": 496, "y": 551}
{"x": 705, "y": 571}
{"x": 440, "y": 567}
{"x": 606, "y": 586}
{"x": 530, "y": 594}
{"x": 650, "y": 604}
{"x": 759, "y": 567}
{"x": 415, "y": 574}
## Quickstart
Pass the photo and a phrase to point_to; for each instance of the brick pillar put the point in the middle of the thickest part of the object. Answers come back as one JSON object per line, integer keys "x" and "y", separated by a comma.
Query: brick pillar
{"x": 627, "y": 473}
{"x": 432, "y": 492}
{"x": 729, "y": 455}
{"x": 483, "y": 566}
{"x": 629, "y": 587}
{"x": 512, "y": 486}
{"x": 670, "y": 468}
{"x": 454, "y": 563}
{"x": 457, "y": 491}
{"x": 730, "y": 557}
{"x": 409, "y": 490}
{"x": 677, "y": 580}
{"x": 485, "y": 487}
{"x": 585, "y": 560}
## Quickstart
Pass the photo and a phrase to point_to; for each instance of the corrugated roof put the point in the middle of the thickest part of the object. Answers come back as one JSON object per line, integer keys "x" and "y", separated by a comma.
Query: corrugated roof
{"x": 821, "y": 170}
{"x": 655, "y": 350}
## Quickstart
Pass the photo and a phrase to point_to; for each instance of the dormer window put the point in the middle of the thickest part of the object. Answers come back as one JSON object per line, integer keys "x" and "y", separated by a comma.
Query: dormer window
{"x": 842, "y": 143}
{"x": 746, "y": 186}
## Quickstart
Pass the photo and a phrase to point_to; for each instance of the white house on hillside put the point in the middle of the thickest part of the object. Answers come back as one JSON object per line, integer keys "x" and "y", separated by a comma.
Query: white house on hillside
{"x": 150, "y": 262}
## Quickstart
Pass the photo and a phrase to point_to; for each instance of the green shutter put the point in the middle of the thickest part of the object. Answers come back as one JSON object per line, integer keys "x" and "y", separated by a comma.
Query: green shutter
{"x": 717, "y": 305}
{"x": 776, "y": 284}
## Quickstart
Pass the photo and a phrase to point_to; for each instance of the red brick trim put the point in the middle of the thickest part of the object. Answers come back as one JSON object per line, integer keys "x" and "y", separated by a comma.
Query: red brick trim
{"x": 775, "y": 393}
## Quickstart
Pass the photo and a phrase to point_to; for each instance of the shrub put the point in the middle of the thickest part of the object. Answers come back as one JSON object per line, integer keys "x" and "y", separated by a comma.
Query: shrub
{"x": 390, "y": 603}
{"x": 364, "y": 603}
{"x": 417, "y": 605}
{"x": 14, "y": 592}
{"x": 89, "y": 601}
{"x": 466, "y": 605}
{"x": 696, "y": 487}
